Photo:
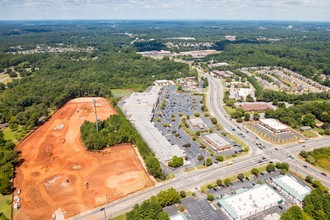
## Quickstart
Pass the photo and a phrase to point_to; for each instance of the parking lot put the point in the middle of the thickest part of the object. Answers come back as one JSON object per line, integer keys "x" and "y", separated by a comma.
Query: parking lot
{"x": 221, "y": 191}
{"x": 199, "y": 208}
{"x": 175, "y": 103}
{"x": 186, "y": 104}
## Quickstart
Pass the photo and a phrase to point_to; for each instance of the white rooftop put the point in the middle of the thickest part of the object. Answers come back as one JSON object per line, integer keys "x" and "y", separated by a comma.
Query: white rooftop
{"x": 163, "y": 149}
{"x": 250, "y": 201}
{"x": 274, "y": 216}
{"x": 216, "y": 139}
{"x": 140, "y": 105}
{"x": 197, "y": 121}
{"x": 292, "y": 186}
{"x": 243, "y": 92}
{"x": 178, "y": 217}
{"x": 139, "y": 110}
{"x": 273, "y": 123}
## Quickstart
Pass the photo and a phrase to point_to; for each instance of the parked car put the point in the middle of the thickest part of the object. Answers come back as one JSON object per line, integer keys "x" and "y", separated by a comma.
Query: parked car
{"x": 324, "y": 174}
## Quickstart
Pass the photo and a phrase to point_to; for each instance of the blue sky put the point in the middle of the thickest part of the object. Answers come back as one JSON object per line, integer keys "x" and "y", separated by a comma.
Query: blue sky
{"x": 306, "y": 10}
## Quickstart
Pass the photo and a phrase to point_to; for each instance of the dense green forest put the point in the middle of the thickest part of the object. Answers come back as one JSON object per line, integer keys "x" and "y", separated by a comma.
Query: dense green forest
{"x": 149, "y": 46}
{"x": 315, "y": 206}
{"x": 304, "y": 114}
{"x": 61, "y": 79}
{"x": 117, "y": 130}
{"x": 7, "y": 162}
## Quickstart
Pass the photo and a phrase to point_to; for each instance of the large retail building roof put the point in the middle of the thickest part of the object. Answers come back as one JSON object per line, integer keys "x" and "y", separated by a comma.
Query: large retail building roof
{"x": 250, "y": 201}
{"x": 273, "y": 123}
{"x": 139, "y": 108}
{"x": 292, "y": 186}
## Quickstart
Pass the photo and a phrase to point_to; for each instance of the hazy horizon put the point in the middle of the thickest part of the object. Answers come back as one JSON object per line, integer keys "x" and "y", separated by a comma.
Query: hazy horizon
{"x": 216, "y": 10}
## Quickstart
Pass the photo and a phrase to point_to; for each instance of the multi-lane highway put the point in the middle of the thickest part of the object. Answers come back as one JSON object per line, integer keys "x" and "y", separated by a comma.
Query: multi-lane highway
{"x": 279, "y": 152}
{"x": 186, "y": 181}
{"x": 183, "y": 181}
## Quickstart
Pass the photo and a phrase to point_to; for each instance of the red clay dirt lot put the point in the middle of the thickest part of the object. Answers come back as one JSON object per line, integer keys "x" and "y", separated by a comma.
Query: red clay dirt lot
{"x": 58, "y": 173}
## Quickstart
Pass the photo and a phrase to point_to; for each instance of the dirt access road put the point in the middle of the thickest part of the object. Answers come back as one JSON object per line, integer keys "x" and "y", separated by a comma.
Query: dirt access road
{"x": 59, "y": 174}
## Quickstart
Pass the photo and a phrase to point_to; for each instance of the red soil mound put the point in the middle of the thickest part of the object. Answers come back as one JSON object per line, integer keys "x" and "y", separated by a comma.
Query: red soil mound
{"x": 58, "y": 172}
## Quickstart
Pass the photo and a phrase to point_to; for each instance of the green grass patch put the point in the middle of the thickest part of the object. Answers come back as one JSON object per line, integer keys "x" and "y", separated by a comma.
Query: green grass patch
{"x": 189, "y": 193}
{"x": 117, "y": 93}
{"x": 319, "y": 157}
{"x": 187, "y": 130}
{"x": 15, "y": 135}
{"x": 120, "y": 217}
{"x": 318, "y": 130}
{"x": 5, "y": 203}
{"x": 309, "y": 134}
{"x": 170, "y": 176}
{"x": 200, "y": 167}
{"x": 324, "y": 163}
{"x": 229, "y": 110}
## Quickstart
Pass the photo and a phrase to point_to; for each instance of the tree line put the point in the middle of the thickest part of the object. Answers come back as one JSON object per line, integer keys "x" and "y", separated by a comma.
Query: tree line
{"x": 152, "y": 208}
{"x": 316, "y": 205}
{"x": 60, "y": 79}
{"x": 117, "y": 130}
{"x": 304, "y": 114}
{"x": 8, "y": 161}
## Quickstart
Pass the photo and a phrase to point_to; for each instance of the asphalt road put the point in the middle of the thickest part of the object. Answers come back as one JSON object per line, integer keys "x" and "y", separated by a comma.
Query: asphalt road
{"x": 216, "y": 105}
{"x": 184, "y": 181}
{"x": 188, "y": 181}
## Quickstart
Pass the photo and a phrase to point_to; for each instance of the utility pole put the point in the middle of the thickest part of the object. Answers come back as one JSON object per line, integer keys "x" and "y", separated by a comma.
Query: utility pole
{"x": 97, "y": 126}
{"x": 105, "y": 214}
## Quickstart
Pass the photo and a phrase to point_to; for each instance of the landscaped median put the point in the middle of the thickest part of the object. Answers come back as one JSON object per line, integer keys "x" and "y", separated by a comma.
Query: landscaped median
{"x": 230, "y": 179}
{"x": 249, "y": 175}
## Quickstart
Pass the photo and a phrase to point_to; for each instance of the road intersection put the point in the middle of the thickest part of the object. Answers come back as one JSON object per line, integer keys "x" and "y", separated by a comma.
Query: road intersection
{"x": 191, "y": 180}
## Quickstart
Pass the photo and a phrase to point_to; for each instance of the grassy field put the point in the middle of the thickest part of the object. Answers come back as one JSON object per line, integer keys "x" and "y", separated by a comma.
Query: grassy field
{"x": 317, "y": 130}
{"x": 229, "y": 110}
{"x": 310, "y": 134}
{"x": 323, "y": 158}
{"x": 5, "y": 202}
{"x": 16, "y": 135}
{"x": 121, "y": 217}
{"x": 117, "y": 93}
{"x": 324, "y": 163}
